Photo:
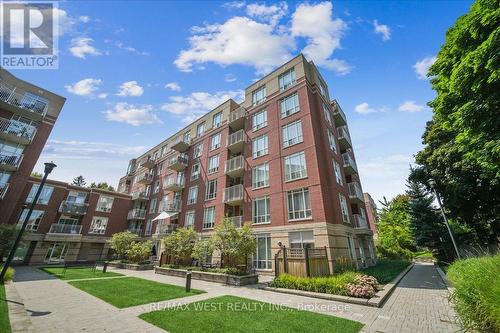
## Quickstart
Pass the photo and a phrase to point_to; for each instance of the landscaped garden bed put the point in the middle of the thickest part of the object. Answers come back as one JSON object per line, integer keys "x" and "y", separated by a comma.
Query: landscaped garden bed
{"x": 75, "y": 273}
{"x": 132, "y": 266}
{"x": 212, "y": 275}
{"x": 241, "y": 315}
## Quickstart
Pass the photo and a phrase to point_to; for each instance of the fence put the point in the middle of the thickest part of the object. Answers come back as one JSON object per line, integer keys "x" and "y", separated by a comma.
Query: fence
{"x": 302, "y": 262}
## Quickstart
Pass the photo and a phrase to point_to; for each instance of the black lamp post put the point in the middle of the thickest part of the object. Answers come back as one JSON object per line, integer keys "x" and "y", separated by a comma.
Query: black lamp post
{"x": 48, "y": 169}
{"x": 432, "y": 184}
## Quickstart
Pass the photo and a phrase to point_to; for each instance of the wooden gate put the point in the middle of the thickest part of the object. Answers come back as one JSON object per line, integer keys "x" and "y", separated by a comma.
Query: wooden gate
{"x": 302, "y": 262}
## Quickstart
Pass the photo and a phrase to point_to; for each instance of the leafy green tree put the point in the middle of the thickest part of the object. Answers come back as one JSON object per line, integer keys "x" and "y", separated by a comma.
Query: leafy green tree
{"x": 139, "y": 252}
{"x": 7, "y": 235}
{"x": 121, "y": 243}
{"x": 180, "y": 244}
{"x": 103, "y": 186}
{"x": 79, "y": 181}
{"x": 203, "y": 250}
{"x": 36, "y": 174}
{"x": 462, "y": 142}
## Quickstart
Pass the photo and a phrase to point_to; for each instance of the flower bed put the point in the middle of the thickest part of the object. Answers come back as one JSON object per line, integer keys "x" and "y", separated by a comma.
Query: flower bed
{"x": 205, "y": 275}
{"x": 135, "y": 267}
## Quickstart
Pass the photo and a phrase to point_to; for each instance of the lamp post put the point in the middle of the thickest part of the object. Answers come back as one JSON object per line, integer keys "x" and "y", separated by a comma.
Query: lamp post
{"x": 432, "y": 184}
{"x": 49, "y": 166}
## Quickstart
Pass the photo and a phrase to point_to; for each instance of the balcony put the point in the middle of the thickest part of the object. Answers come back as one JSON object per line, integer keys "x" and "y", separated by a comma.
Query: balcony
{"x": 237, "y": 221}
{"x": 338, "y": 115}
{"x": 136, "y": 214}
{"x": 355, "y": 192}
{"x": 360, "y": 222}
{"x": 73, "y": 208}
{"x": 349, "y": 163}
{"x": 147, "y": 163}
{"x": 3, "y": 189}
{"x": 344, "y": 138}
{"x": 135, "y": 230}
{"x": 236, "y": 141}
{"x": 235, "y": 166}
{"x": 140, "y": 195}
{"x": 16, "y": 131}
{"x": 22, "y": 102}
{"x": 181, "y": 143}
{"x": 10, "y": 161}
{"x": 234, "y": 195}
{"x": 170, "y": 205}
{"x": 173, "y": 184}
{"x": 237, "y": 118}
{"x": 162, "y": 229}
{"x": 178, "y": 162}
{"x": 70, "y": 229}
{"x": 144, "y": 178}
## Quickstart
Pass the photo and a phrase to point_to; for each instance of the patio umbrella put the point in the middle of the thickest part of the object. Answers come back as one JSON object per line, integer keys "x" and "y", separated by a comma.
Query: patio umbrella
{"x": 164, "y": 215}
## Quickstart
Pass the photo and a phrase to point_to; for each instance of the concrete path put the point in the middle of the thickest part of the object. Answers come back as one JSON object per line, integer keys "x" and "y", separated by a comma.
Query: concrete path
{"x": 418, "y": 304}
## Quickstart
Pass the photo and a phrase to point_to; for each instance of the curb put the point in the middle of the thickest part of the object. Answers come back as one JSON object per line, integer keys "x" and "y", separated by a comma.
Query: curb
{"x": 18, "y": 317}
{"x": 442, "y": 274}
{"x": 383, "y": 294}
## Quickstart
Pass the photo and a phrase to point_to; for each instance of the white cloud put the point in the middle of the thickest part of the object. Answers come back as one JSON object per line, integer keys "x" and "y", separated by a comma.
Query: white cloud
{"x": 383, "y": 30}
{"x": 323, "y": 33}
{"x": 411, "y": 106}
{"x": 234, "y": 4}
{"x": 134, "y": 115}
{"x": 102, "y": 95}
{"x": 421, "y": 67}
{"x": 229, "y": 78}
{"x": 131, "y": 49}
{"x": 84, "y": 87}
{"x": 173, "y": 86}
{"x": 81, "y": 47}
{"x": 84, "y": 19}
{"x": 130, "y": 88}
{"x": 271, "y": 14}
{"x": 364, "y": 108}
{"x": 196, "y": 104}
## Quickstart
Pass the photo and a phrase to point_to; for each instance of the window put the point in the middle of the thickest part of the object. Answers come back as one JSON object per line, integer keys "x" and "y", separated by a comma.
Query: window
{"x": 152, "y": 206}
{"x": 157, "y": 186}
{"x": 34, "y": 221}
{"x": 287, "y": 79}
{"x": 76, "y": 197}
{"x": 217, "y": 120}
{"x": 98, "y": 225}
{"x": 262, "y": 258}
{"x": 68, "y": 219}
{"x": 195, "y": 171}
{"x": 192, "y": 195}
{"x": 260, "y": 176}
{"x": 259, "y": 95}
{"x": 338, "y": 173}
{"x": 327, "y": 114}
{"x": 44, "y": 197}
{"x": 350, "y": 245}
{"x": 200, "y": 129}
{"x": 211, "y": 190}
{"x": 343, "y": 208}
{"x": 289, "y": 105}
{"x": 292, "y": 134}
{"x": 149, "y": 227}
{"x": 209, "y": 218}
{"x": 295, "y": 166}
{"x": 104, "y": 204}
{"x": 299, "y": 206}
{"x": 198, "y": 150}
{"x": 301, "y": 239}
{"x": 261, "y": 210}
{"x": 215, "y": 141}
{"x": 322, "y": 90}
{"x": 260, "y": 146}
{"x": 213, "y": 164}
{"x": 331, "y": 141}
{"x": 189, "y": 219}
{"x": 259, "y": 120}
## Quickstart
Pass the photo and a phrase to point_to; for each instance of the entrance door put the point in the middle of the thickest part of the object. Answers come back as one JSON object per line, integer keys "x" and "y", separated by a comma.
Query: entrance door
{"x": 56, "y": 252}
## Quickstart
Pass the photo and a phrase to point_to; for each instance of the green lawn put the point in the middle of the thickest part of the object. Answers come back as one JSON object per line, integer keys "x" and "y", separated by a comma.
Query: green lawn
{"x": 386, "y": 269}
{"x": 234, "y": 314}
{"x": 4, "y": 312}
{"x": 130, "y": 291}
{"x": 75, "y": 273}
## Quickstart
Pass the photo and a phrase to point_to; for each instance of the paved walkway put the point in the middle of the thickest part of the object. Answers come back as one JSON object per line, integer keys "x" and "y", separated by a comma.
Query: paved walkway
{"x": 418, "y": 304}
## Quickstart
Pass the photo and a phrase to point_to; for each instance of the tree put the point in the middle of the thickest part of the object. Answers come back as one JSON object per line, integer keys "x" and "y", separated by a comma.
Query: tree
{"x": 102, "y": 186}
{"x": 462, "y": 142}
{"x": 180, "y": 243}
{"x": 7, "y": 235}
{"x": 36, "y": 174}
{"x": 202, "y": 250}
{"x": 139, "y": 252}
{"x": 79, "y": 181}
{"x": 121, "y": 243}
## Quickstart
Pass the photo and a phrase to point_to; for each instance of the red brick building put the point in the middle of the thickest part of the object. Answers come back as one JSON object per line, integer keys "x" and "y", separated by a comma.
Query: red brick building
{"x": 371, "y": 210}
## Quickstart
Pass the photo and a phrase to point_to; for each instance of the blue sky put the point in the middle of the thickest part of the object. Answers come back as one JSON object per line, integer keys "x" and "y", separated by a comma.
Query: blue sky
{"x": 134, "y": 72}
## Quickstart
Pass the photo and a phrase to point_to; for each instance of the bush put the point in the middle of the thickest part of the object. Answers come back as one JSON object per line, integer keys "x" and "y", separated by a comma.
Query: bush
{"x": 386, "y": 270}
{"x": 335, "y": 284}
{"x": 139, "y": 252}
{"x": 121, "y": 242}
{"x": 477, "y": 292}
{"x": 9, "y": 274}
{"x": 180, "y": 243}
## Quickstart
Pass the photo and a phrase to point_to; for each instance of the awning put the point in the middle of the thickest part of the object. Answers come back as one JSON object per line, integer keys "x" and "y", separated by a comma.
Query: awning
{"x": 165, "y": 215}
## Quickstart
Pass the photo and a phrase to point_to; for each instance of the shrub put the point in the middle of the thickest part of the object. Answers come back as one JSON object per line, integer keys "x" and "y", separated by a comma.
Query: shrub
{"x": 234, "y": 244}
{"x": 334, "y": 284}
{"x": 121, "y": 242}
{"x": 9, "y": 274}
{"x": 477, "y": 292}
{"x": 180, "y": 243}
{"x": 7, "y": 235}
{"x": 386, "y": 270}
{"x": 139, "y": 252}
{"x": 202, "y": 250}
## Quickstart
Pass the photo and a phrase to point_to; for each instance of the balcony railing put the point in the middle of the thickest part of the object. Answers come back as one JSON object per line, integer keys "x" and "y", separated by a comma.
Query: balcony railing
{"x": 173, "y": 183}
{"x": 10, "y": 160}
{"x": 234, "y": 195}
{"x": 147, "y": 163}
{"x": 135, "y": 230}
{"x": 22, "y": 99}
{"x": 236, "y": 141}
{"x": 136, "y": 214}
{"x": 355, "y": 191}
{"x": 72, "y": 229}
{"x": 338, "y": 115}
{"x": 181, "y": 143}
{"x": 360, "y": 221}
{"x": 162, "y": 229}
{"x": 3, "y": 189}
{"x": 344, "y": 137}
{"x": 73, "y": 208}
{"x": 17, "y": 129}
{"x": 140, "y": 195}
{"x": 170, "y": 205}
{"x": 235, "y": 166}
{"x": 178, "y": 162}
{"x": 145, "y": 178}
{"x": 349, "y": 162}
{"x": 237, "y": 118}
{"x": 237, "y": 221}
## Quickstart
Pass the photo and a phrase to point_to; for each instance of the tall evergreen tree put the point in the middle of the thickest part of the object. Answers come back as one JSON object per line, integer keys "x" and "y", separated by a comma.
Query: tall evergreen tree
{"x": 79, "y": 181}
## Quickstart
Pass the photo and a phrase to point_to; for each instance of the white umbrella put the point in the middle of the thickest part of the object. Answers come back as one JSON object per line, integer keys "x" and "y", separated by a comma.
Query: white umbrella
{"x": 164, "y": 215}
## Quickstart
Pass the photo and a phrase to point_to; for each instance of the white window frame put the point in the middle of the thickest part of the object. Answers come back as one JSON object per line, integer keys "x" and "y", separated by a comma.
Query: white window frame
{"x": 106, "y": 207}
{"x": 293, "y": 128}
{"x": 215, "y": 141}
{"x": 195, "y": 174}
{"x": 304, "y": 213}
{"x": 259, "y": 95}
{"x": 189, "y": 219}
{"x": 192, "y": 195}
{"x": 34, "y": 221}
{"x": 260, "y": 183}
{"x": 260, "y": 151}
{"x": 217, "y": 119}
{"x": 265, "y": 218}
{"x": 327, "y": 114}
{"x": 149, "y": 227}
{"x": 290, "y": 173}
{"x": 338, "y": 172}
{"x": 303, "y": 241}
{"x": 293, "y": 99}
{"x": 208, "y": 195}
{"x": 331, "y": 141}
{"x": 45, "y": 195}
{"x": 98, "y": 225}
{"x": 213, "y": 164}
{"x": 259, "y": 120}
{"x": 209, "y": 217}
{"x": 267, "y": 263}
{"x": 198, "y": 150}
{"x": 200, "y": 129}
{"x": 152, "y": 205}
{"x": 287, "y": 79}
{"x": 344, "y": 211}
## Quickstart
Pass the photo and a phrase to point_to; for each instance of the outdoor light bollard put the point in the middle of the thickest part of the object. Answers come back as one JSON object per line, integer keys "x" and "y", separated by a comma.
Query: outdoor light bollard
{"x": 188, "y": 280}
{"x": 105, "y": 267}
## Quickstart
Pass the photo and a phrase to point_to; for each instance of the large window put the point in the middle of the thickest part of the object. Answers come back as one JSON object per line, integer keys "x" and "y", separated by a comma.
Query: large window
{"x": 44, "y": 197}
{"x": 195, "y": 171}
{"x": 157, "y": 186}
{"x": 295, "y": 166}
{"x": 331, "y": 140}
{"x": 301, "y": 239}
{"x": 343, "y": 208}
{"x": 350, "y": 245}
{"x": 211, "y": 190}
{"x": 262, "y": 258}
{"x": 215, "y": 141}
{"x": 152, "y": 205}
{"x": 260, "y": 176}
{"x": 338, "y": 173}
{"x": 209, "y": 218}
{"x": 259, "y": 95}
{"x": 217, "y": 120}
{"x": 189, "y": 219}
{"x": 198, "y": 150}
{"x": 213, "y": 164}
{"x": 200, "y": 129}
{"x": 287, "y": 79}
{"x": 327, "y": 114}
{"x": 292, "y": 134}
{"x": 149, "y": 227}
{"x": 34, "y": 221}
{"x": 260, "y": 146}
{"x": 98, "y": 225}
{"x": 261, "y": 210}
{"x": 76, "y": 197}
{"x": 104, "y": 204}
{"x": 299, "y": 205}
{"x": 259, "y": 120}
{"x": 192, "y": 195}
{"x": 289, "y": 105}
